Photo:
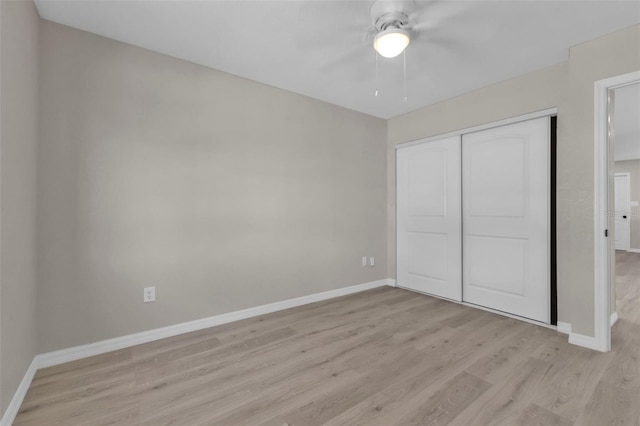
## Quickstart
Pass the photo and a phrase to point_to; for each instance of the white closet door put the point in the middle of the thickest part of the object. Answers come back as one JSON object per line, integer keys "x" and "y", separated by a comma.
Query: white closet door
{"x": 428, "y": 218}
{"x": 506, "y": 218}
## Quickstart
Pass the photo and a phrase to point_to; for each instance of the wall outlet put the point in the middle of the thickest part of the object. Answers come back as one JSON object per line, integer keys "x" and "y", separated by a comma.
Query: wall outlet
{"x": 372, "y": 261}
{"x": 149, "y": 294}
{"x": 364, "y": 260}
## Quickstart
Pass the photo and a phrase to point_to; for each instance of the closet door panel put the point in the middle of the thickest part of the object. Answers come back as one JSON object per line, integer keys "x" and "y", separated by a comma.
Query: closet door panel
{"x": 497, "y": 179}
{"x": 506, "y": 218}
{"x": 429, "y": 218}
{"x": 431, "y": 246}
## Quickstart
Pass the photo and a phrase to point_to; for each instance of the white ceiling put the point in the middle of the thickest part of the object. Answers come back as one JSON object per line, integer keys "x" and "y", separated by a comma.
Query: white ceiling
{"x": 320, "y": 48}
{"x": 626, "y": 123}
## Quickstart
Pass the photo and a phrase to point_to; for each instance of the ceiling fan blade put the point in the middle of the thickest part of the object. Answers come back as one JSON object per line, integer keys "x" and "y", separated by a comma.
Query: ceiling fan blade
{"x": 440, "y": 26}
{"x": 351, "y": 23}
{"x": 443, "y": 47}
{"x": 360, "y": 56}
{"x": 327, "y": 37}
{"x": 429, "y": 15}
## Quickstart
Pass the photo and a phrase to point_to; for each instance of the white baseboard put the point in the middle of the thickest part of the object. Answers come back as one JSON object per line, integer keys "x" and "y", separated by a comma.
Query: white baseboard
{"x": 78, "y": 352}
{"x": 580, "y": 339}
{"x": 391, "y": 282}
{"x": 12, "y": 410}
{"x": 613, "y": 319}
{"x": 634, "y": 250}
{"x": 585, "y": 341}
{"x": 564, "y": 327}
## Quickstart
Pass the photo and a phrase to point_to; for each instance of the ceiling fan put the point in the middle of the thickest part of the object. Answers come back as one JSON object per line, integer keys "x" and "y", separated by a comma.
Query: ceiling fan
{"x": 390, "y": 27}
{"x": 396, "y": 22}
{"x": 386, "y": 31}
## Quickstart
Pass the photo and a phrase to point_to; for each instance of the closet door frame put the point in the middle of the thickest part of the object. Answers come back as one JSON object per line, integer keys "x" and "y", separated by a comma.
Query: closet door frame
{"x": 543, "y": 113}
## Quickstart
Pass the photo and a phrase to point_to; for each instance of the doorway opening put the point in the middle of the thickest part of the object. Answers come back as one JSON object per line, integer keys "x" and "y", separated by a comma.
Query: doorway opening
{"x": 624, "y": 137}
{"x": 617, "y": 200}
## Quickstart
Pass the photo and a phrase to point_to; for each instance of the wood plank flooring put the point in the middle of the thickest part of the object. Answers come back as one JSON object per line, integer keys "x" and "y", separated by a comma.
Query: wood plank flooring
{"x": 382, "y": 357}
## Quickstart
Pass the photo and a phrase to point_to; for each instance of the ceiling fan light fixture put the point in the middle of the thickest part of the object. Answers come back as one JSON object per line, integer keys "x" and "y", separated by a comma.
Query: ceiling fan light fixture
{"x": 391, "y": 42}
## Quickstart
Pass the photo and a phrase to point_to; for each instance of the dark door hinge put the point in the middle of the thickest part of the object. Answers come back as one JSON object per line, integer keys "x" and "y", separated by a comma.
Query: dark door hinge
{"x": 606, "y": 233}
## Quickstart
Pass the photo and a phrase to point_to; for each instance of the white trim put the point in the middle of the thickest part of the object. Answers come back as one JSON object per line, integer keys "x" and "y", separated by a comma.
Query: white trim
{"x": 578, "y": 339}
{"x": 575, "y": 338}
{"x": 97, "y": 348}
{"x": 634, "y": 250}
{"x": 613, "y": 319}
{"x": 493, "y": 124}
{"x": 12, "y": 410}
{"x": 601, "y": 167}
{"x": 391, "y": 282}
{"x": 585, "y": 341}
{"x": 564, "y": 327}
{"x": 601, "y": 286}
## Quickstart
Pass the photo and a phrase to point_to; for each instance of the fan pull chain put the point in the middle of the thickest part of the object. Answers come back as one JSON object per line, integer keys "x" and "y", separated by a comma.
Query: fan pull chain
{"x": 376, "y": 92}
{"x": 404, "y": 60}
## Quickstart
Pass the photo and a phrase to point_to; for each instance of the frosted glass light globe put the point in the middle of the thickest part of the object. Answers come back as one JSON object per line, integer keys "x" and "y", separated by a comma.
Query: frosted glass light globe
{"x": 391, "y": 42}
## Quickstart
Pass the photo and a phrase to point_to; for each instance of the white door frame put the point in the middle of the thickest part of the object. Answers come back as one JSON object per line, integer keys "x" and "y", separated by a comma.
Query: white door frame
{"x": 602, "y": 284}
{"x": 628, "y": 176}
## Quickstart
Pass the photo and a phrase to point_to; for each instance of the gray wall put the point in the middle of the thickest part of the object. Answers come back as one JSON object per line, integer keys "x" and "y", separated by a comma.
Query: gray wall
{"x": 568, "y": 86}
{"x": 632, "y": 167}
{"x": 18, "y": 142}
{"x": 614, "y": 54}
{"x": 223, "y": 193}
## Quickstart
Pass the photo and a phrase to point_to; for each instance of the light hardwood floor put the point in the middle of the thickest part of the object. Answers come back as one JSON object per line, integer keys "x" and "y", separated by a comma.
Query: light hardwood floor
{"x": 383, "y": 357}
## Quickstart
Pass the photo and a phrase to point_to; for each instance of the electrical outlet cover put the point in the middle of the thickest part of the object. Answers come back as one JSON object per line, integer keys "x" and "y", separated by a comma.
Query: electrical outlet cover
{"x": 149, "y": 294}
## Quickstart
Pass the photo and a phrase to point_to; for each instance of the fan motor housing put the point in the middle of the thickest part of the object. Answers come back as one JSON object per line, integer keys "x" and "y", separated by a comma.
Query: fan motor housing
{"x": 386, "y": 14}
